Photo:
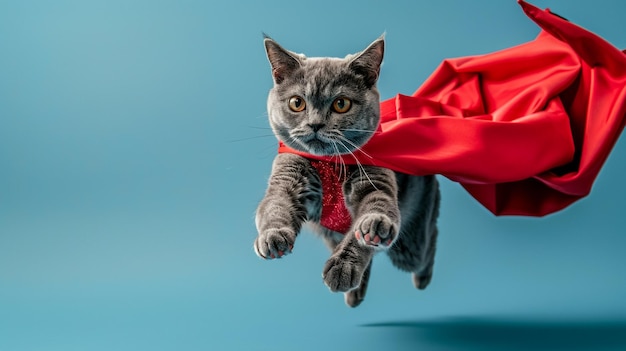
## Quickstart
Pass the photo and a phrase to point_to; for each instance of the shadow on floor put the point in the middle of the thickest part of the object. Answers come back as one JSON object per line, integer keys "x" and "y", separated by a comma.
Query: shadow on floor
{"x": 501, "y": 333}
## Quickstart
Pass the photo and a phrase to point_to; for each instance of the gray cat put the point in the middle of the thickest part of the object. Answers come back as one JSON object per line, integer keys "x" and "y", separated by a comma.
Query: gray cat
{"x": 330, "y": 106}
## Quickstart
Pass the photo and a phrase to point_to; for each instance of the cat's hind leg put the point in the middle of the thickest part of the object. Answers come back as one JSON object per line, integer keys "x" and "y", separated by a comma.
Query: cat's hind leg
{"x": 422, "y": 277}
{"x": 415, "y": 252}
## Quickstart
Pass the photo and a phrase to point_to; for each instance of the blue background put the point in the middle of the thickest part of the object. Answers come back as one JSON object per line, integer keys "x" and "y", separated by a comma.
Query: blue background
{"x": 134, "y": 148}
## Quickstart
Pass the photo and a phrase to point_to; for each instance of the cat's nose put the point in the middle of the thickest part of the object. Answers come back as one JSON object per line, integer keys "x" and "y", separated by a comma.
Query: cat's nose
{"x": 316, "y": 126}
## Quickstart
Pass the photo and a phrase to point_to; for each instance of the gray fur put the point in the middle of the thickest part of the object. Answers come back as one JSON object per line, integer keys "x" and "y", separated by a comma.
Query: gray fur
{"x": 391, "y": 212}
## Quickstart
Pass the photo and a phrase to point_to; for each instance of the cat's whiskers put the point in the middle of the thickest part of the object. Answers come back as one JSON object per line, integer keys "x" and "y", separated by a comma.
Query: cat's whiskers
{"x": 360, "y": 130}
{"x": 343, "y": 162}
{"x": 293, "y": 139}
{"x": 356, "y": 147}
{"x": 255, "y": 136}
{"x": 336, "y": 136}
{"x": 343, "y": 169}
{"x": 251, "y": 138}
{"x": 359, "y": 165}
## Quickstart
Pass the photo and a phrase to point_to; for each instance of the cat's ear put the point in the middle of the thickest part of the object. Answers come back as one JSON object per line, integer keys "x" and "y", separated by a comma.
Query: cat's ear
{"x": 367, "y": 63}
{"x": 282, "y": 61}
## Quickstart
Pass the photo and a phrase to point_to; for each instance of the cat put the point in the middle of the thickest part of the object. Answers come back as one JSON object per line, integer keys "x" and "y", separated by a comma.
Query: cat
{"x": 330, "y": 106}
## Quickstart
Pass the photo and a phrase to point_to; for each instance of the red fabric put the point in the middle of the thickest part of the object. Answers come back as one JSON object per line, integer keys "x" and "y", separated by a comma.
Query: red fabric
{"x": 525, "y": 130}
{"x": 335, "y": 215}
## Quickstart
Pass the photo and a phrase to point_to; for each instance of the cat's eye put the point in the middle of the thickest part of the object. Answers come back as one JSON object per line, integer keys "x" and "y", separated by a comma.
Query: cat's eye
{"x": 297, "y": 104}
{"x": 342, "y": 105}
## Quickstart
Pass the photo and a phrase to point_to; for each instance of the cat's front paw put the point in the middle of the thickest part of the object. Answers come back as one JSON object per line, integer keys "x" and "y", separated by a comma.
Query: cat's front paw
{"x": 342, "y": 274}
{"x": 274, "y": 243}
{"x": 376, "y": 230}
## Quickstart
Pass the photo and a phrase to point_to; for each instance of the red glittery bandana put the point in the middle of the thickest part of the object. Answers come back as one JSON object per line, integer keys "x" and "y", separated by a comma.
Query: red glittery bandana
{"x": 335, "y": 214}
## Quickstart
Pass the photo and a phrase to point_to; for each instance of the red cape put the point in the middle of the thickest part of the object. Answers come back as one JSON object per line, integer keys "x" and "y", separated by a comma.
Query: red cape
{"x": 525, "y": 130}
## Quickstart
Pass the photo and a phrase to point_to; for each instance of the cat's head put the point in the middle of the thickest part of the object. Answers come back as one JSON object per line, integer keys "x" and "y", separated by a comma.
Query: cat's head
{"x": 324, "y": 106}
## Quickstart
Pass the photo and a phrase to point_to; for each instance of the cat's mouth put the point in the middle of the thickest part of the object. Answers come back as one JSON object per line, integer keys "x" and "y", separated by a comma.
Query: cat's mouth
{"x": 320, "y": 145}
{"x": 315, "y": 144}
{"x": 323, "y": 144}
